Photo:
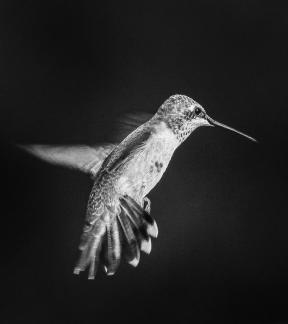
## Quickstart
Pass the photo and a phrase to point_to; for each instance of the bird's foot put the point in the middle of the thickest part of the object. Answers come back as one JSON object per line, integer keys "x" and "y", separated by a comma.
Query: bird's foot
{"x": 147, "y": 205}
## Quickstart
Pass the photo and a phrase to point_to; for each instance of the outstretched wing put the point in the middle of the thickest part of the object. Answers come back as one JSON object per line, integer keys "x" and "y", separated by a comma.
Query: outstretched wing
{"x": 85, "y": 158}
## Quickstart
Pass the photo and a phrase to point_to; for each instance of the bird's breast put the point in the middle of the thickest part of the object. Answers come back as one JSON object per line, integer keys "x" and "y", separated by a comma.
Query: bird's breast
{"x": 146, "y": 168}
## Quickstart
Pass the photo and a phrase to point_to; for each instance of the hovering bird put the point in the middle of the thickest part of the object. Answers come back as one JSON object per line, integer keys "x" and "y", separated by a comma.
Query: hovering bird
{"x": 118, "y": 219}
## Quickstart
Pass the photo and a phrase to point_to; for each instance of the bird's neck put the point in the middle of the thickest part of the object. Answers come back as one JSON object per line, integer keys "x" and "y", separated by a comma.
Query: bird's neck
{"x": 162, "y": 132}
{"x": 175, "y": 131}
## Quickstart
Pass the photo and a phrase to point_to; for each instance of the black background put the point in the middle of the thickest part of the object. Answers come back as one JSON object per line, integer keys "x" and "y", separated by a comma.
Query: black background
{"x": 68, "y": 69}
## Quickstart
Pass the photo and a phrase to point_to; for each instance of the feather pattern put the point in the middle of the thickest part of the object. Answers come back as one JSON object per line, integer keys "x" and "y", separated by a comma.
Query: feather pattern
{"x": 123, "y": 229}
{"x": 91, "y": 246}
{"x": 132, "y": 247}
{"x": 113, "y": 248}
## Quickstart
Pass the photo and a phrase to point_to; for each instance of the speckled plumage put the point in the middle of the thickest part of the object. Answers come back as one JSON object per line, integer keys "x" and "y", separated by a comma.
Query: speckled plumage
{"x": 132, "y": 170}
{"x": 118, "y": 220}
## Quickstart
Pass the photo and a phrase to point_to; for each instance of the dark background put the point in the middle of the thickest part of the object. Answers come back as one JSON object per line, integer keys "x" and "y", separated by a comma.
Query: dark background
{"x": 68, "y": 69}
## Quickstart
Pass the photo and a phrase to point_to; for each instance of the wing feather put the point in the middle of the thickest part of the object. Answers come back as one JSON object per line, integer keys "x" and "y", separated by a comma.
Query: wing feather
{"x": 85, "y": 158}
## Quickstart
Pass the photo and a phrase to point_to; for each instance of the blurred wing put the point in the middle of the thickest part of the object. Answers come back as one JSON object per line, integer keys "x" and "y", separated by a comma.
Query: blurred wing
{"x": 85, "y": 158}
{"x": 127, "y": 123}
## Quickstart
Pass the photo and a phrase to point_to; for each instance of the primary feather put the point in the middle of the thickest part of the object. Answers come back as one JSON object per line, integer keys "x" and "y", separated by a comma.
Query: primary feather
{"x": 85, "y": 158}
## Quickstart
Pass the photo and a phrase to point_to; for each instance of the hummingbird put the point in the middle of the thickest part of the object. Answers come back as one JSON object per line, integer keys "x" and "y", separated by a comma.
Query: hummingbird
{"x": 118, "y": 218}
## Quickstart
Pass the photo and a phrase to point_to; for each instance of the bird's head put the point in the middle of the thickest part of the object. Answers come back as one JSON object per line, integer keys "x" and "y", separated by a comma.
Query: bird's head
{"x": 183, "y": 115}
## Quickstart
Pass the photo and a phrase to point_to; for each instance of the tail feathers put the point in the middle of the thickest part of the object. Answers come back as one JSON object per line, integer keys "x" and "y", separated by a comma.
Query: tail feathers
{"x": 113, "y": 248}
{"x": 90, "y": 247}
{"x": 106, "y": 239}
{"x": 143, "y": 225}
{"x": 139, "y": 217}
{"x": 131, "y": 245}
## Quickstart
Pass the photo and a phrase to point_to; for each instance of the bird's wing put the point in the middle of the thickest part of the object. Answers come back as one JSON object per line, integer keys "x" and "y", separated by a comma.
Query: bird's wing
{"x": 85, "y": 158}
{"x": 133, "y": 143}
{"x": 128, "y": 122}
{"x": 90, "y": 158}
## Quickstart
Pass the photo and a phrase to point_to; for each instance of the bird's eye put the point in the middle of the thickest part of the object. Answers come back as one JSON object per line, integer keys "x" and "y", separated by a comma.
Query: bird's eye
{"x": 197, "y": 111}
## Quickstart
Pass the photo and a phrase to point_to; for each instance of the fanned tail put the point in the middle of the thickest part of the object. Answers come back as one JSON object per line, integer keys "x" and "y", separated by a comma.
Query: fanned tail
{"x": 111, "y": 235}
{"x": 91, "y": 242}
{"x": 113, "y": 248}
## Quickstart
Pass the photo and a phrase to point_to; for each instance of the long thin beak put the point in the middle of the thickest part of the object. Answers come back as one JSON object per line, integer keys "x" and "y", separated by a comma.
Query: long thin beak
{"x": 216, "y": 123}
